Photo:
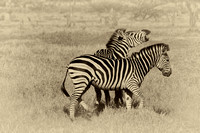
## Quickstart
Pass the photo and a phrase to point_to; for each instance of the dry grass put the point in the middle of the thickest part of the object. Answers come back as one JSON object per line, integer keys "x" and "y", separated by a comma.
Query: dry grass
{"x": 32, "y": 71}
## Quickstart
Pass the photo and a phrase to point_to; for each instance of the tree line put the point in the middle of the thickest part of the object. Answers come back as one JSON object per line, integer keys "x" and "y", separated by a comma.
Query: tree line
{"x": 139, "y": 10}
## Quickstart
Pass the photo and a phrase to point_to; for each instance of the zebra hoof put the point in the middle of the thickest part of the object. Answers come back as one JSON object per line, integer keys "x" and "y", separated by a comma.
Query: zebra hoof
{"x": 96, "y": 104}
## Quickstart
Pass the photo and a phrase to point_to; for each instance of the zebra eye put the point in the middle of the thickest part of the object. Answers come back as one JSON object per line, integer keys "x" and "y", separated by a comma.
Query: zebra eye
{"x": 120, "y": 38}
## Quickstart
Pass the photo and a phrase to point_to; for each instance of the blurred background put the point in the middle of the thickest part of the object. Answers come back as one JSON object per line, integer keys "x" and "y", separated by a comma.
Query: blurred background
{"x": 38, "y": 16}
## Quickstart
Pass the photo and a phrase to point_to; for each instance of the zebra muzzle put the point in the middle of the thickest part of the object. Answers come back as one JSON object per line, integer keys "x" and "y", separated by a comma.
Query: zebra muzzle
{"x": 167, "y": 74}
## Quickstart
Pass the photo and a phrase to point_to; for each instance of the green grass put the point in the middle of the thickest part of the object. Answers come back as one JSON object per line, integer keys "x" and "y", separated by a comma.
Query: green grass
{"x": 33, "y": 69}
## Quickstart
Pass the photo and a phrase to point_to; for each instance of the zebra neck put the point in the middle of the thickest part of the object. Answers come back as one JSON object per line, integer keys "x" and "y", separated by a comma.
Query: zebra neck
{"x": 142, "y": 64}
{"x": 120, "y": 51}
{"x": 119, "y": 54}
{"x": 134, "y": 43}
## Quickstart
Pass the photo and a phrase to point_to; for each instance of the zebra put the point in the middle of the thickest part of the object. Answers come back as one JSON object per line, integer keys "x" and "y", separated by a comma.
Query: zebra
{"x": 108, "y": 74}
{"x": 121, "y": 42}
{"x": 118, "y": 47}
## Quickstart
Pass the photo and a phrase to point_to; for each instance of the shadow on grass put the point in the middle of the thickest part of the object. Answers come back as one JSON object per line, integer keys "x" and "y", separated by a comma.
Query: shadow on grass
{"x": 81, "y": 112}
{"x": 99, "y": 108}
{"x": 161, "y": 111}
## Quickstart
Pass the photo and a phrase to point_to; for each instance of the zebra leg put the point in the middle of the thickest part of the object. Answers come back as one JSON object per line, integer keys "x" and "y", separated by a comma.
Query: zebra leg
{"x": 84, "y": 105}
{"x": 134, "y": 88}
{"x": 140, "y": 96}
{"x": 73, "y": 103}
{"x": 121, "y": 97}
{"x": 76, "y": 98}
{"x": 137, "y": 93}
{"x": 117, "y": 96}
{"x": 128, "y": 98}
{"x": 107, "y": 97}
{"x": 141, "y": 104}
{"x": 98, "y": 95}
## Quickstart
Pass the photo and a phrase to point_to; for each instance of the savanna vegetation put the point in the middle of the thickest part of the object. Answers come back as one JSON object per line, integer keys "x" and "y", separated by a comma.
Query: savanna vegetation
{"x": 38, "y": 39}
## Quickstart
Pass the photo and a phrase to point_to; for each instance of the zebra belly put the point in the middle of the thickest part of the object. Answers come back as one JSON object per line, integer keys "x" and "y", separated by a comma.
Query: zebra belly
{"x": 110, "y": 87}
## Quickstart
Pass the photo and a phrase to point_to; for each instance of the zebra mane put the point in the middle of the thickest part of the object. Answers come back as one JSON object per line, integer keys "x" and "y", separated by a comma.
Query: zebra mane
{"x": 134, "y": 54}
{"x": 165, "y": 47}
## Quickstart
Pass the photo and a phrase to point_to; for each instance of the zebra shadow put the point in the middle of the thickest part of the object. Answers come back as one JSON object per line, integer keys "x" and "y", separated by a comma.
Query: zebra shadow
{"x": 99, "y": 108}
{"x": 161, "y": 111}
{"x": 81, "y": 112}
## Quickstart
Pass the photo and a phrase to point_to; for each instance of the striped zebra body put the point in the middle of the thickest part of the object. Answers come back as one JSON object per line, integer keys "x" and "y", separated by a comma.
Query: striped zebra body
{"x": 117, "y": 48}
{"x": 124, "y": 74}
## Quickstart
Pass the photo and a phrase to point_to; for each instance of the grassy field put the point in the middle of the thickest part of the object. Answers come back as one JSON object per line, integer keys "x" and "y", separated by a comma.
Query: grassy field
{"x": 33, "y": 68}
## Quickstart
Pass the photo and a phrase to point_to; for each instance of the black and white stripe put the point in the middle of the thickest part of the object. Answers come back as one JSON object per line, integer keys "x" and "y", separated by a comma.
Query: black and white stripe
{"x": 118, "y": 47}
{"x": 121, "y": 42}
{"x": 108, "y": 74}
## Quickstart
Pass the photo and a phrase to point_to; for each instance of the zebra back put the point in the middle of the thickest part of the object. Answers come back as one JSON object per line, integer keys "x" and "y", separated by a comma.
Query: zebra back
{"x": 107, "y": 53}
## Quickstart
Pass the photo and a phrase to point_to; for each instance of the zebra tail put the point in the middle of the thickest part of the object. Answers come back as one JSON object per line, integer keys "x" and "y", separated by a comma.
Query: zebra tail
{"x": 63, "y": 86}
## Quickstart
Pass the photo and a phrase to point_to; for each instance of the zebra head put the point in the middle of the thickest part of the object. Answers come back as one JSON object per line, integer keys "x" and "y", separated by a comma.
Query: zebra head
{"x": 122, "y": 41}
{"x": 135, "y": 38}
{"x": 164, "y": 64}
{"x": 116, "y": 38}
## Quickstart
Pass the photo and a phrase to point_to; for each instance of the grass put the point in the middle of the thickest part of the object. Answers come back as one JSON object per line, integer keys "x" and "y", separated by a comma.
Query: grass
{"x": 33, "y": 69}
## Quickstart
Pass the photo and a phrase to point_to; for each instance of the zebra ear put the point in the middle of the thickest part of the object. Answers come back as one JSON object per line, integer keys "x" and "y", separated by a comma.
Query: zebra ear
{"x": 121, "y": 30}
{"x": 166, "y": 48}
{"x": 146, "y": 31}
